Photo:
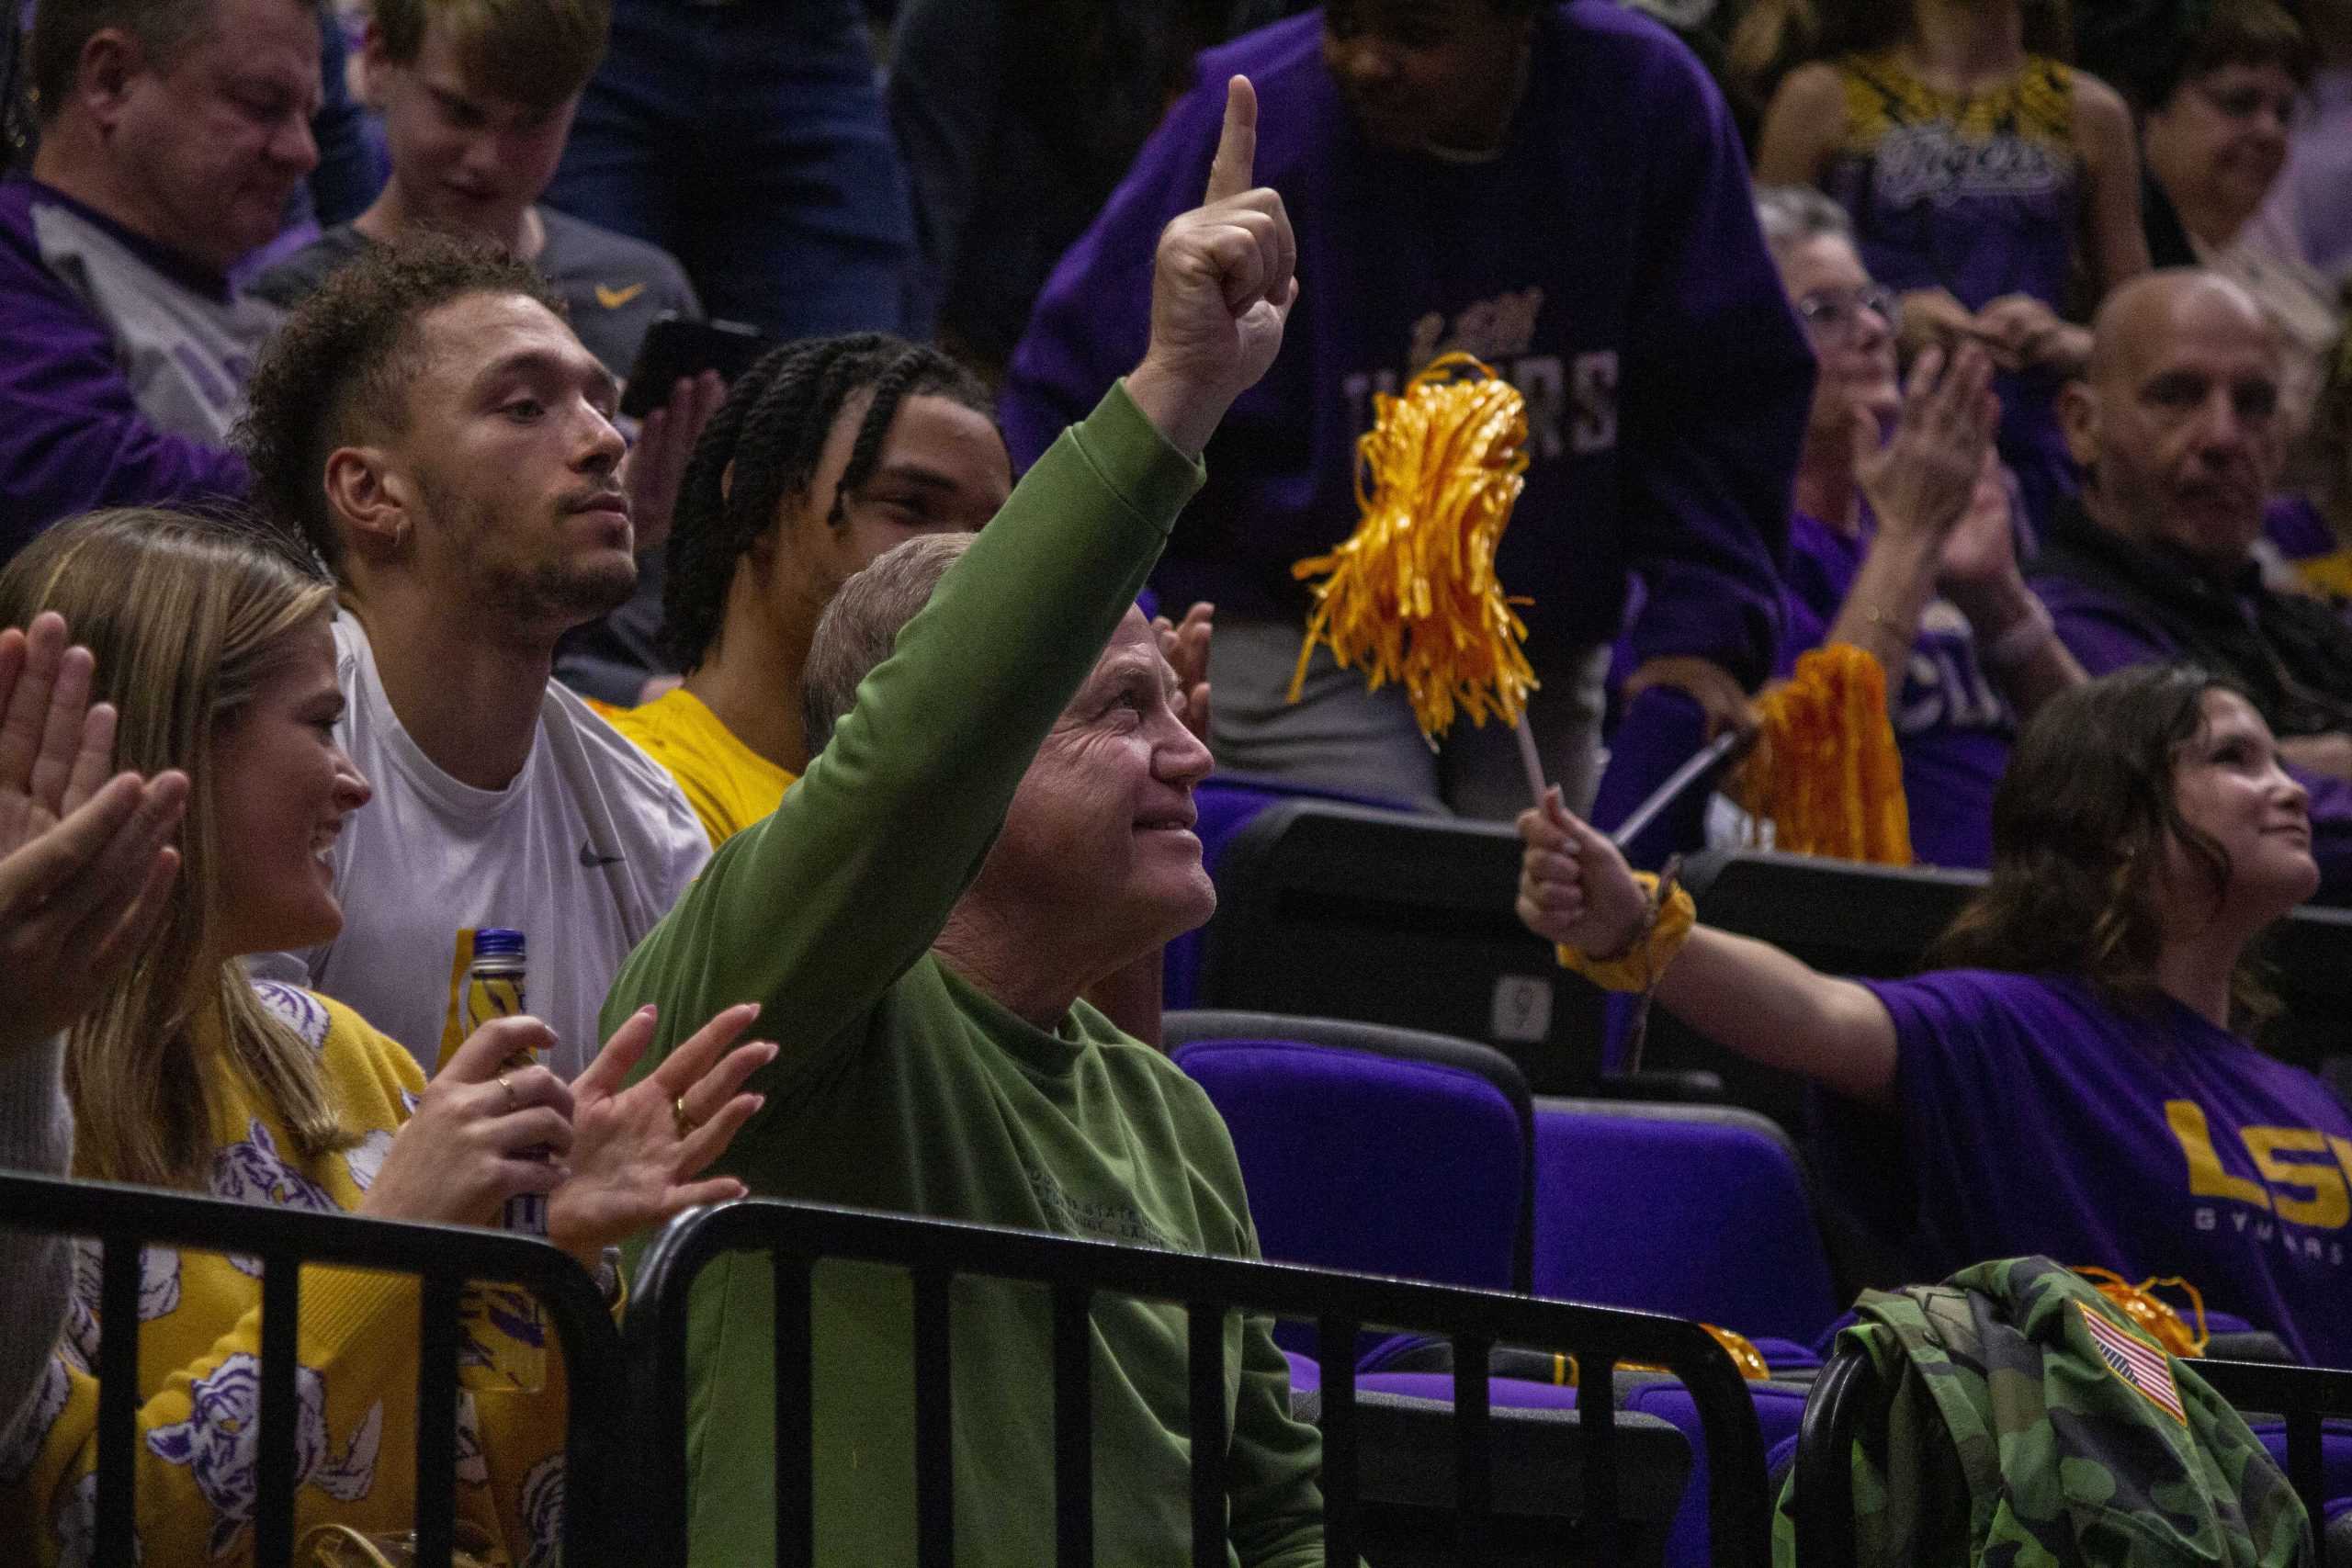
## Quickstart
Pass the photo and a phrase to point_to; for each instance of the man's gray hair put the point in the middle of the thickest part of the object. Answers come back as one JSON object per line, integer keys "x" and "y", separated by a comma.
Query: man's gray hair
{"x": 1790, "y": 215}
{"x": 861, "y": 625}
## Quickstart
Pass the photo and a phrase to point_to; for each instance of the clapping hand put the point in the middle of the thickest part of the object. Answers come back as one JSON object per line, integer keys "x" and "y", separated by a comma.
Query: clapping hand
{"x": 2022, "y": 330}
{"x": 484, "y": 1132}
{"x": 1575, "y": 889}
{"x": 1185, "y": 646}
{"x": 1224, "y": 281}
{"x": 85, "y": 860}
{"x": 1981, "y": 549}
{"x": 636, "y": 1150}
{"x": 614, "y": 1160}
{"x": 1924, "y": 480}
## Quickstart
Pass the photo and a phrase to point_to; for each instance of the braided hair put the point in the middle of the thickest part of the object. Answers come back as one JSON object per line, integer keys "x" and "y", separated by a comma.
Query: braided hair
{"x": 772, "y": 429}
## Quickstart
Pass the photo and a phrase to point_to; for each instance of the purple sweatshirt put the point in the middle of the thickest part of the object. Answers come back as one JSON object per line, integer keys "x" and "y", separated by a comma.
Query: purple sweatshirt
{"x": 1951, "y": 723}
{"x": 1606, "y": 260}
{"x": 2036, "y": 1117}
{"x": 74, "y": 434}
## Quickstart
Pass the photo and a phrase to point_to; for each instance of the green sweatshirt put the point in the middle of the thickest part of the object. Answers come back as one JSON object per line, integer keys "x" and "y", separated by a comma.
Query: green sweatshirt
{"x": 902, "y": 1086}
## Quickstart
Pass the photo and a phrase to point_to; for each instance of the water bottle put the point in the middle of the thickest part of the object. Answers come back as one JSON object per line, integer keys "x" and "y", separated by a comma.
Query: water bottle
{"x": 494, "y": 988}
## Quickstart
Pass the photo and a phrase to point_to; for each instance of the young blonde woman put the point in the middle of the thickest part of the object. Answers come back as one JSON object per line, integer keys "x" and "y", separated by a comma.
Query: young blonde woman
{"x": 216, "y": 650}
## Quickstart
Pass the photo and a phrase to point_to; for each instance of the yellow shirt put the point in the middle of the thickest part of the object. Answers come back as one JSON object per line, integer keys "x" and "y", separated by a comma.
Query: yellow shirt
{"x": 730, "y": 785}
{"x": 199, "y": 1345}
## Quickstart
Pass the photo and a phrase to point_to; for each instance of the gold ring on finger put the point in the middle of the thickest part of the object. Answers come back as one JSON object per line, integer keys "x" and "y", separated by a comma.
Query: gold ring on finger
{"x": 679, "y": 1118}
{"x": 514, "y": 1100}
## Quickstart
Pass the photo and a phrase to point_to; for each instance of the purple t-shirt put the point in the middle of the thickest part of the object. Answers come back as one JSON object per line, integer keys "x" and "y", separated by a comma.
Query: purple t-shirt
{"x": 1953, "y": 723}
{"x": 2037, "y": 1118}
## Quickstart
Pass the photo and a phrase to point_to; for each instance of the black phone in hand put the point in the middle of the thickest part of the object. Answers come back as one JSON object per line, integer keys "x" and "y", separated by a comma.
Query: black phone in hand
{"x": 679, "y": 348}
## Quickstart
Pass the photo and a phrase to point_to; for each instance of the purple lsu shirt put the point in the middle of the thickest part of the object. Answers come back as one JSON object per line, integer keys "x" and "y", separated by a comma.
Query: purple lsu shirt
{"x": 1951, "y": 723}
{"x": 2038, "y": 1118}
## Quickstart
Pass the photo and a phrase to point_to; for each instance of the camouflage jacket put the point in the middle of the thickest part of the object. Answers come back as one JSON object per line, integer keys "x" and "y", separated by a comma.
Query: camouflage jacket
{"x": 2019, "y": 1420}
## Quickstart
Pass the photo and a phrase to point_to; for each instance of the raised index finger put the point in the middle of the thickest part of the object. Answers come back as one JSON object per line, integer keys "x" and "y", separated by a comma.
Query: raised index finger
{"x": 1235, "y": 169}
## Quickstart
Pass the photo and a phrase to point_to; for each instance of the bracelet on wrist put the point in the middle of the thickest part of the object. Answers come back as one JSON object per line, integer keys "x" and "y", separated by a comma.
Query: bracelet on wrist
{"x": 1664, "y": 931}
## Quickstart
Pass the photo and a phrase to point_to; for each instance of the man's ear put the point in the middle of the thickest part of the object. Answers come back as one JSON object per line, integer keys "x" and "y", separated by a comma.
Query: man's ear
{"x": 373, "y": 62}
{"x": 368, "y": 501}
{"x": 111, "y": 57}
{"x": 2078, "y": 418}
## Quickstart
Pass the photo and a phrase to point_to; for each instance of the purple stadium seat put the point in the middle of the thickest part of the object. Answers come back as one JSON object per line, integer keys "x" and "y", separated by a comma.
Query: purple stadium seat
{"x": 1377, "y": 1149}
{"x": 1699, "y": 1212}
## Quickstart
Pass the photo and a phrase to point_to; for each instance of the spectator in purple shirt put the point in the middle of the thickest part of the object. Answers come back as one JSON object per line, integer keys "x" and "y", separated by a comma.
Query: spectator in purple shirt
{"x": 2180, "y": 430}
{"x": 1559, "y": 190}
{"x": 2080, "y": 1081}
{"x": 172, "y": 135}
{"x": 1903, "y": 544}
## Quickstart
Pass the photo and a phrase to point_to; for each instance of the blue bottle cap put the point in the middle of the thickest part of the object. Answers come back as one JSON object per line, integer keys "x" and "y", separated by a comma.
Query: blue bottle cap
{"x": 497, "y": 941}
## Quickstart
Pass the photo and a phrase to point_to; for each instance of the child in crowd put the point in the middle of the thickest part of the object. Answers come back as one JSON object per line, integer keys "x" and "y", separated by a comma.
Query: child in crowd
{"x": 190, "y": 1075}
{"x": 2075, "y": 1078}
{"x": 1981, "y": 172}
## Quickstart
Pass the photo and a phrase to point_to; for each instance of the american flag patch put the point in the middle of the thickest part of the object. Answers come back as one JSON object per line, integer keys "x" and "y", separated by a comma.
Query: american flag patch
{"x": 2135, "y": 1360}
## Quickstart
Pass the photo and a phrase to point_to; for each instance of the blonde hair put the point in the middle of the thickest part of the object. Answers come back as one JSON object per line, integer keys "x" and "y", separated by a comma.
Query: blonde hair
{"x": 187, "y": 618}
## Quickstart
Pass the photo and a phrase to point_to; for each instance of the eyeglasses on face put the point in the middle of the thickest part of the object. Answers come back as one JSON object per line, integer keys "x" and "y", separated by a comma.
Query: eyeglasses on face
{"x": 2244, "y": 102}
{"x": 1837, "y": 313}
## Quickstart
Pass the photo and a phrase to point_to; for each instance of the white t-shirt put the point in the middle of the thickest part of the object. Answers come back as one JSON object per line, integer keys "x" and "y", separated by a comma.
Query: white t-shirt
{"x": 583, "y": 853}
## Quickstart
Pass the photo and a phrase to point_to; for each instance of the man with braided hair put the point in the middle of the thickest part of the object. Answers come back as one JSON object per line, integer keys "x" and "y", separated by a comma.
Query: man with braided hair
{"x": 826, "y": 454}
{"x": 436, "y": 434}
{"x": 829, "y": 454}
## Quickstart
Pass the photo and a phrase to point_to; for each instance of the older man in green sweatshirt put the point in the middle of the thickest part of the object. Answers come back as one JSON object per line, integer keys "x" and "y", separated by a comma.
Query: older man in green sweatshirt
{"x": 1000, "y": 815}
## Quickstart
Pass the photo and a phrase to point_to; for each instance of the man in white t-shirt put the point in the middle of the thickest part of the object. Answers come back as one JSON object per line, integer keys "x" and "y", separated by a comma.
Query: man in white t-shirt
{"x": 445, "y": 445}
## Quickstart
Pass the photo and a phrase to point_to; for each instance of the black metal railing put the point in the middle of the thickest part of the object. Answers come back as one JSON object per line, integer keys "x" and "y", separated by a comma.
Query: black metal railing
{"x": 442, "y": 1258}
{"x": 1848, "y": 1390}
{"x": 2302, "y": 1396}
{"x": 935, "y": 1252}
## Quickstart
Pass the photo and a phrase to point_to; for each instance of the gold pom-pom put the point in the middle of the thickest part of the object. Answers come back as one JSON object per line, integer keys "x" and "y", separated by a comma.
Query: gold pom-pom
{"x": 1825, "y": 771}
{"x": 1411, "y": 595}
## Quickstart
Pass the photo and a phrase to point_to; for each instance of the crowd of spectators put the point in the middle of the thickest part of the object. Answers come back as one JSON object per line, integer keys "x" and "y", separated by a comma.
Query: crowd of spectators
{"x": 343, "y": 616}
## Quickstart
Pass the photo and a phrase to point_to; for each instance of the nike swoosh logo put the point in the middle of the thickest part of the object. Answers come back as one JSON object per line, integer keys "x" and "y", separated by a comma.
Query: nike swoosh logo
{"x": 589, "y": 858}
{"x": 614, "y": 298}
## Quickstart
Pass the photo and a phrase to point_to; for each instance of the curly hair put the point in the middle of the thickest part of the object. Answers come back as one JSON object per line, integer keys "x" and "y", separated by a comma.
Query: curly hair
{"x": 2082, "y": 823}
{"x": 339, "y": 368}
{"x": 770, "y": 432}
